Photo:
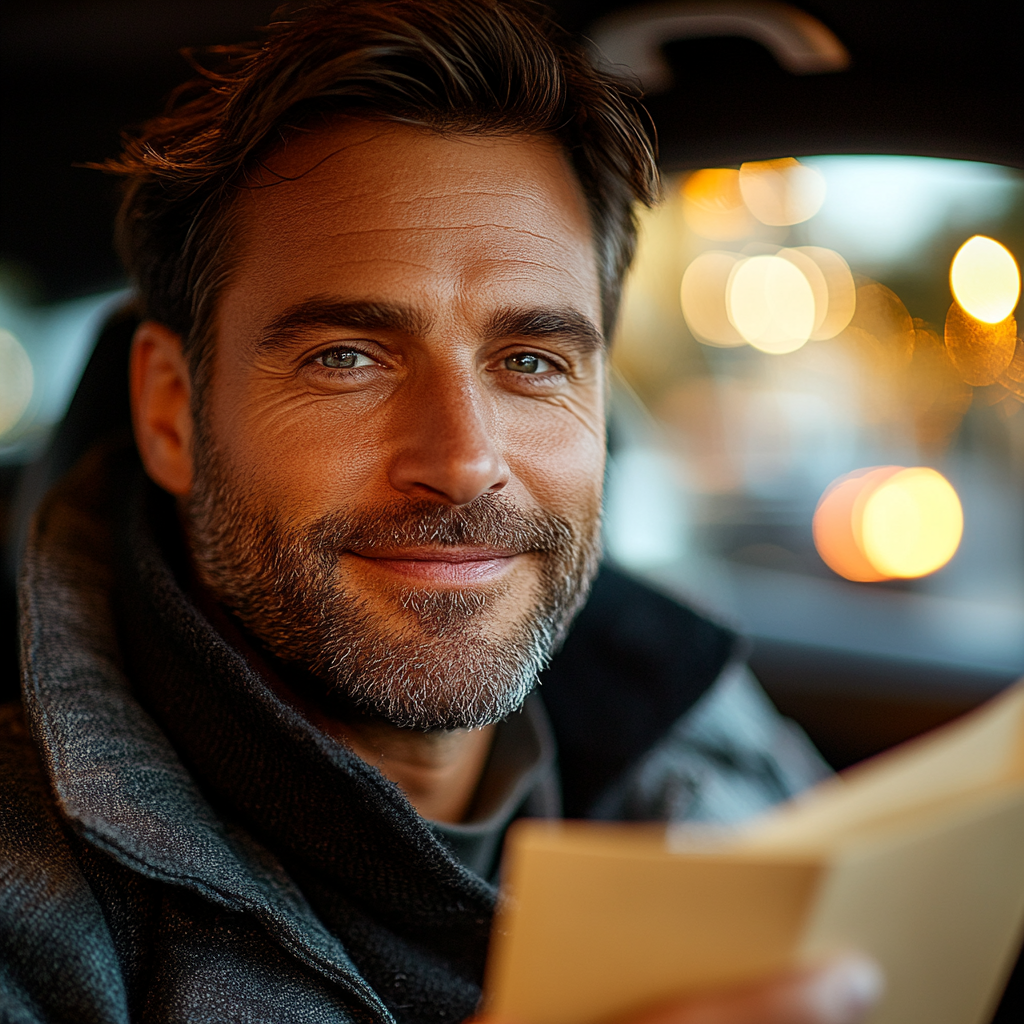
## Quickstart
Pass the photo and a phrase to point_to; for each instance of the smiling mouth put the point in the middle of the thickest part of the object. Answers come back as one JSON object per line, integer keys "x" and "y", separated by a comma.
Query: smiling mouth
{"x": 451, "y": 565}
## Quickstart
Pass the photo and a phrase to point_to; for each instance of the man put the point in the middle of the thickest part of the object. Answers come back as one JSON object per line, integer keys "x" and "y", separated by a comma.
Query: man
{"x": 277, "y": 688}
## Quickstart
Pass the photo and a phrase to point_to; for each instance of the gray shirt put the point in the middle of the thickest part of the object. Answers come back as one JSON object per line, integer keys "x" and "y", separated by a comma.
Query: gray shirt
{"x": 520, "y": 779}
{"x": 731, "y": 756}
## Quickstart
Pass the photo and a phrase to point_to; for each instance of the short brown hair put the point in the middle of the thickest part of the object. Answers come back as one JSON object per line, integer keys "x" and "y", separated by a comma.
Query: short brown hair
{"x": 466, "y": 66}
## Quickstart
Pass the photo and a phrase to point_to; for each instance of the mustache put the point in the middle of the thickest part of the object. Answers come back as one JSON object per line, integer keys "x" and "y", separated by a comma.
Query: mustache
{"x": 490, "y": 521}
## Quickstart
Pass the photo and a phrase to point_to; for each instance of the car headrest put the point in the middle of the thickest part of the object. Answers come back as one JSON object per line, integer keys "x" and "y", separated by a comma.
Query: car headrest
{"x": 100, "y": 408}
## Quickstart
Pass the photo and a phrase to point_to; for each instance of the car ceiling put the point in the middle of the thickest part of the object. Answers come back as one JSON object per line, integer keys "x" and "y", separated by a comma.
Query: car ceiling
{"x": 927, "y": 77}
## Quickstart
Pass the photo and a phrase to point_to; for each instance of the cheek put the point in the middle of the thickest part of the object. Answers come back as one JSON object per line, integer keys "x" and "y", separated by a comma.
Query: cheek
{"x": 301, "y": 454}
{"x": 318, "y": 470}
{"x": 559, "y": 459}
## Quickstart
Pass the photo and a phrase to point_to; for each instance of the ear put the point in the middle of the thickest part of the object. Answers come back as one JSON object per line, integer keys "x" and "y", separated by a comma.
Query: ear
{"x": 161, "y": 393}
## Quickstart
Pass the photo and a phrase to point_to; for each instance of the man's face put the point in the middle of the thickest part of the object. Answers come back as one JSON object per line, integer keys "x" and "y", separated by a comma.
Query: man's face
{"x": 400, "y": 455}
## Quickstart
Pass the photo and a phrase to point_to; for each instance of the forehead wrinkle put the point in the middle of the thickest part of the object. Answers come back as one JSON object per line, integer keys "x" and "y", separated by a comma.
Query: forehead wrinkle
{"x": 400, "y": 197}
{"x": 550, "y": 262}
{"x": 523, "y": 262}
{"x": 430, "y": 203}
{"x": 413, "y": 229}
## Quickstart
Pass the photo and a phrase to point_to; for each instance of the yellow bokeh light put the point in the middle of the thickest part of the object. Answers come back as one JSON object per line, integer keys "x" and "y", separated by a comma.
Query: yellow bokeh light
{"x": 16, "y": 381}
{"x": 888, "y": 523}
{"x": 781, "y": 192}
{"x": 702, "y": 297}
{"x": 840, "y": 289}
{"x": 815, "y": 278}
{"x": 912, "y": 523}
{"x": 985, "y": 279}
{"x": 713, "y": 206}
{"x": 771, "y": 304}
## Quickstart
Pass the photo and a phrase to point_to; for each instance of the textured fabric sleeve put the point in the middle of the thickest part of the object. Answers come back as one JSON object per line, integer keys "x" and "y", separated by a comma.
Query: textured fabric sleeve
{"x": 731, "y": 756}
{"x": 57, "y": 960}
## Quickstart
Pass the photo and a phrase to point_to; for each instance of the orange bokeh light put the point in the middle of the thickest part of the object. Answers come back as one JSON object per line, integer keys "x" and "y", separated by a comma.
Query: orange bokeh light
{"x": 835, "y": 535}
{"x": 713, "y": 206}
{"x": 888, "y": 522}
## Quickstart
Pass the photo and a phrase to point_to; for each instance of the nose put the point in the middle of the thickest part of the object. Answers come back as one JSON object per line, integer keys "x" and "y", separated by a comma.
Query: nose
{"x": 446, "y": 446}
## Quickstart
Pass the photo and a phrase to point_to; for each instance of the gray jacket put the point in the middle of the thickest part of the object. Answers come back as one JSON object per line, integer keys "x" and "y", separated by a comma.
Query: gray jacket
{"x": 177, "y": 844}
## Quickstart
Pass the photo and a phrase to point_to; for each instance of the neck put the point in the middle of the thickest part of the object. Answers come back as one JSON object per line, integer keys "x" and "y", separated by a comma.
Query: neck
{"x": 437, "y": 771}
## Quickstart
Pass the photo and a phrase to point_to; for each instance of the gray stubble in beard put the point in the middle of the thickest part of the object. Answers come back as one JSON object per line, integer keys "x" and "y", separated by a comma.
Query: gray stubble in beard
{"x": 441, "y": 669}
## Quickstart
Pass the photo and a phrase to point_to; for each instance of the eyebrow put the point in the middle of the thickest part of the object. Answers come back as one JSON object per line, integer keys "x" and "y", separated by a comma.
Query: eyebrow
{"x": 320, "y": 313}
{"x": 564, "y": 324}
{"x": 325, "y": 313}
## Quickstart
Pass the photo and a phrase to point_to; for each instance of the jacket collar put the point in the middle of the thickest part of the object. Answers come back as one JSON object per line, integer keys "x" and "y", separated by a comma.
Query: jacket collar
{"x": 634, "y": 662}
{"x": 115, "y": 774}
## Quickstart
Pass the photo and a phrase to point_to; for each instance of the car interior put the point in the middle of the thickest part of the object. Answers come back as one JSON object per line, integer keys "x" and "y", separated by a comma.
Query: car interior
{"x": 804, "y": 439}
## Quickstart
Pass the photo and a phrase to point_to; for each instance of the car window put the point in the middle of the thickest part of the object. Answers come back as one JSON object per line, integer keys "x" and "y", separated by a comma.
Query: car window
{"x": 819, "y": 428}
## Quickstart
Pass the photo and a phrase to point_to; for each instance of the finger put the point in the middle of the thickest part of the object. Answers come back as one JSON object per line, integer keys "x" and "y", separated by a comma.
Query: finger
{"x": 841, "y": 992}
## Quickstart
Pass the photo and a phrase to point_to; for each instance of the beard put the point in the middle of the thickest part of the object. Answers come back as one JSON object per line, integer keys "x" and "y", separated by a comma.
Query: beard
{"x": 443, "y": 658}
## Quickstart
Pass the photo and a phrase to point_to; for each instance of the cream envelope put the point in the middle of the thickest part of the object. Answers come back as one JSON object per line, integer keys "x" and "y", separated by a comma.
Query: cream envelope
{"x": 916, "y": 856}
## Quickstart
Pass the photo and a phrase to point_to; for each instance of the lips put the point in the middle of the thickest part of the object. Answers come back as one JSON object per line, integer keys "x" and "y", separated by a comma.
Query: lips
{"x": 452, "y": 565}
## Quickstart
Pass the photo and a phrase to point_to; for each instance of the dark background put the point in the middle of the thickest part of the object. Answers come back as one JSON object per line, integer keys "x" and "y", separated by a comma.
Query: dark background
{"x": 929, "y": 78}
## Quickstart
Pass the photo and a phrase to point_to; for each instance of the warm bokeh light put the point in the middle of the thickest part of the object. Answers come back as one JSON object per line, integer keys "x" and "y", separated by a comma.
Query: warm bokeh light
{"x": 839, "y": 509}
{"x": 781, "y": 192}
{"x": 840, "y": 290}
{"x": 776, "y": 302}
{"x": 934, "y": 392}
{"x": 888, "y": 522}
{"x": 882, "y": 328}
{"x": 985, "y": 279}
{"x": 1012, "y": 377}
{"x": 16, "y": 381}
{"x": 815, "y": 278}
{"x": 713, "y": 206}
{"x": 771, "y": 303}
{"x": 702, "y": 296}
{"x": 980, "y": 351}
{"x": 911, "y": 524}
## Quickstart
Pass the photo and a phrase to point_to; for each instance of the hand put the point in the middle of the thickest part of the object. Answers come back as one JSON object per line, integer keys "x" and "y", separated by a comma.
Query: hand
{"x": 839, "y": 992}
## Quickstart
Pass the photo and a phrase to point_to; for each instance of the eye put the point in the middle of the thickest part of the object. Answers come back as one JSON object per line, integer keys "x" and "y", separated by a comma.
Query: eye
{"x": 344, "y": 359}
{"x": 528, "y": 362}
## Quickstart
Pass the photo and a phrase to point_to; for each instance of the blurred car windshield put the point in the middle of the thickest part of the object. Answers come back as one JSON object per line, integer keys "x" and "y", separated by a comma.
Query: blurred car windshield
{"x": 818, "y": 421}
